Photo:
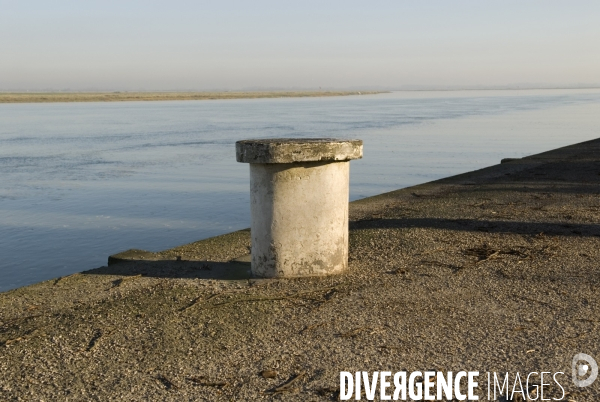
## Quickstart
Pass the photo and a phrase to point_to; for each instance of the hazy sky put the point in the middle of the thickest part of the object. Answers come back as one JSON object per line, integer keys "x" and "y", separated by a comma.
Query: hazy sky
{"x": 224, "y": 44}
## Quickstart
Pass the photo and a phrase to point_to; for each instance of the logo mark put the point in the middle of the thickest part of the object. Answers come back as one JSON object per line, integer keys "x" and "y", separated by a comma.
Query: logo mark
{"x": 582, "y": 365}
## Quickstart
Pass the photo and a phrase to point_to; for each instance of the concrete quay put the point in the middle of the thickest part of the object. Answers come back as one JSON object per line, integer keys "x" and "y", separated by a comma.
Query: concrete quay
{"x": 495, "y": 270}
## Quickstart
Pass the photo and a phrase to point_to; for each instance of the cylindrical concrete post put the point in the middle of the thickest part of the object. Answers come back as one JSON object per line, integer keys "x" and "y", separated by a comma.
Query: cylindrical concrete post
{"x": 299, "y": 204}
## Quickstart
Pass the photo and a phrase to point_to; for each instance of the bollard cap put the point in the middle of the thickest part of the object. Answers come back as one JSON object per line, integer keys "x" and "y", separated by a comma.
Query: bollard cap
{"x": 290, "y": 150}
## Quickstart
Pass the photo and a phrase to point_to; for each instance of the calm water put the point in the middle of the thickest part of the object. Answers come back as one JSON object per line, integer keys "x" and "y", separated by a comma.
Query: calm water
{"x": 81, "y": 181}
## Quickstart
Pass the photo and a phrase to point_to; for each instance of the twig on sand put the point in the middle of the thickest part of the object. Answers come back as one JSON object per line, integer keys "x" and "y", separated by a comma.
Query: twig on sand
{"x": 118, "y": 282}
{"x": 201, "y": 380}
{"x": 192, "y": 303}
{"x": 289, "y": 385}
{"x": 354, "y": 332}
{"x": 534, "y": 300}
{"x": 166, "y": 382}
{"x": 274, "y": 298}
{"x": 61, "y": 278}
{"x": 28, "y": 334}
{"x": 314, "y": 326}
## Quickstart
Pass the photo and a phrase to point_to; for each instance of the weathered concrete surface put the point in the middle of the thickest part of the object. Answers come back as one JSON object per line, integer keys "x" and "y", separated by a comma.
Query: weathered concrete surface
{"x": 299, "y": 218}
{"x": 290, "y": 150}
{"x": 494, "y": 270}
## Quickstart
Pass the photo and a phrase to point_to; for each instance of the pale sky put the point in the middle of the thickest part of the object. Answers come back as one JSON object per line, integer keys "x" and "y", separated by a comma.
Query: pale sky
{"x": 202, "y": 45}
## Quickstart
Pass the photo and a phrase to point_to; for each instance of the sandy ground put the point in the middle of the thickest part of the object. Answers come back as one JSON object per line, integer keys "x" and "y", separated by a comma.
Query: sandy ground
{"x": 491, "y": 271}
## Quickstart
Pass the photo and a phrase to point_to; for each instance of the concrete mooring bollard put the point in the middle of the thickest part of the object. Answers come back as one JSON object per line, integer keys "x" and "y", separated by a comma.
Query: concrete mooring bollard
{"x": 299, "y": 204}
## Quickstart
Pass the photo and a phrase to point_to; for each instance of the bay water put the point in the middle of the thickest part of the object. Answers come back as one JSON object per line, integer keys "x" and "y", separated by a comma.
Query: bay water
{"x": 81, "y": 181}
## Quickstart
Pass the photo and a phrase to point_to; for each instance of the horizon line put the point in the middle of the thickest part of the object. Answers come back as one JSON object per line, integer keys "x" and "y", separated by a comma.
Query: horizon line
{"x": 415, "y": 88}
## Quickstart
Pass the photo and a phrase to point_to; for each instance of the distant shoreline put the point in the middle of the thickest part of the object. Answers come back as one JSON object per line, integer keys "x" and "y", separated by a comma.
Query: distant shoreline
{"x": 52, "y": 97}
